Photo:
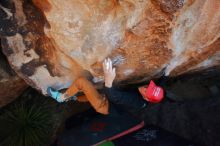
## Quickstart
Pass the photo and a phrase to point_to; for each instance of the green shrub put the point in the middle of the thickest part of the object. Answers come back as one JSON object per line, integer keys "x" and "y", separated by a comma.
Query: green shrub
{"x": 27, "y": 122}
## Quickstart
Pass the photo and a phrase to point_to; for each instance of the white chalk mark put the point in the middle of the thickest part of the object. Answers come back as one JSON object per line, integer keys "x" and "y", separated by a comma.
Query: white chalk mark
{"x": 7, "y": 11}
{"x": 146, "y": 135}
{"x": 98, "y": 79}
{"x": 128, "y": 72}
{"x": 117, "y": 60}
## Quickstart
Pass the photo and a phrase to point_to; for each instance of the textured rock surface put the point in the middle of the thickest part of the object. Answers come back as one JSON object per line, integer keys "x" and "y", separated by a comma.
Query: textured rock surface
{"x": 11, "y": 86}
{"x": 51, "y": 42}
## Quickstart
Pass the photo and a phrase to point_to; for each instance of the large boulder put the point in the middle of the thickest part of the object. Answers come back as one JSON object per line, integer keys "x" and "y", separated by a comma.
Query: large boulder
{"x": 11, "y": 86}
{"x": 52, "y": 42}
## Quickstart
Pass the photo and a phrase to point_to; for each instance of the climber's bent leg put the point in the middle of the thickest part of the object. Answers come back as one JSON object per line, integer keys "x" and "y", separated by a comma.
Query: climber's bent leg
{"x": 99, "y": 103}
{"x": 82, "y": 98}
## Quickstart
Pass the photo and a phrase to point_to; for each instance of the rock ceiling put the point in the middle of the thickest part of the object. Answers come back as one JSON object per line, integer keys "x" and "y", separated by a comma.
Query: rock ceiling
{"x": 52, "y": 42}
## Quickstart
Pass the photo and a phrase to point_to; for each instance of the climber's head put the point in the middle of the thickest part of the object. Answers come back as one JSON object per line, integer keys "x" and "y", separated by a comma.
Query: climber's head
{"x": 152, "y": 92}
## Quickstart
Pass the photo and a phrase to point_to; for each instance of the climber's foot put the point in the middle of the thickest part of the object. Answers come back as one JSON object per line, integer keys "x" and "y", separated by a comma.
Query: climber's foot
{"x": 55, "y": 94}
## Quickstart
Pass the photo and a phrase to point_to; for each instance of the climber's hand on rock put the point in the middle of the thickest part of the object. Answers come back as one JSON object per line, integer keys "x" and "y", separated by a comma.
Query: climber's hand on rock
{"x": 109, "y": 72}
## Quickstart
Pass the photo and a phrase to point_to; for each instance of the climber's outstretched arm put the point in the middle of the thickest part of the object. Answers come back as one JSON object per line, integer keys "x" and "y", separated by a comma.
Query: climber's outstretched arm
{"x": 130, "y": 99}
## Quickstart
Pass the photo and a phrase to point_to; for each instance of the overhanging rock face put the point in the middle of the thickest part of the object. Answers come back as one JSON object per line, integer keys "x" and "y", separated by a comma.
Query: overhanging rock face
{"x": 52, "y": 42}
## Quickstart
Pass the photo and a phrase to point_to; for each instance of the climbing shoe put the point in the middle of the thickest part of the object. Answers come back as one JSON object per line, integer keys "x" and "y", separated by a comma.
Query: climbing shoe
{"x": 55, "y": 94}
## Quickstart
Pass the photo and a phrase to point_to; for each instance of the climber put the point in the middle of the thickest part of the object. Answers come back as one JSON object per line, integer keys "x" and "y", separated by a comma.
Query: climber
{"x": 127, "y": 99}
